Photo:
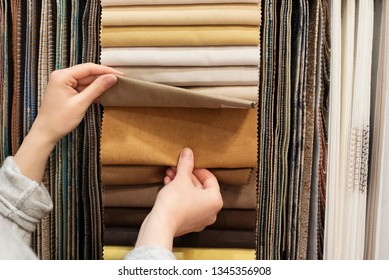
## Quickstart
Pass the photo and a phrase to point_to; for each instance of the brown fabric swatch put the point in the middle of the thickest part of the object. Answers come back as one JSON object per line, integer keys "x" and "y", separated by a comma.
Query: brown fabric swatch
{"x": 208, "y": 238}
{"x": 114, "y": 175}
{"x": 234, "y": 197}
{"x": 134, "y": 217}
{"x": 128, "y": 92}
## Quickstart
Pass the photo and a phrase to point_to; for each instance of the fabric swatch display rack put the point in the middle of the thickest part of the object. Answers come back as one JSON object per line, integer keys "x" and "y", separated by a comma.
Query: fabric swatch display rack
{"x": 191, "y": 80}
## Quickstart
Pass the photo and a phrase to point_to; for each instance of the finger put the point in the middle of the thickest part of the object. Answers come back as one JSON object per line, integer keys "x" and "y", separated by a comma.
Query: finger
{"x": 207, "y": 179}
{"x": 196, "y": 182}
{"x": 185, "y": 163}
{"x": 95, "y": 89}
{"x": 84, "y": 70}
{"x": 167, "y": 180}
{"x": 170, "y": 173}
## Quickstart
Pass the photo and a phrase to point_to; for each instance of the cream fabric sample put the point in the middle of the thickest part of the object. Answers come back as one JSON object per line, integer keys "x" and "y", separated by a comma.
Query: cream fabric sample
{"x": 196, "y": 76}
{"x": 181, "y": 56}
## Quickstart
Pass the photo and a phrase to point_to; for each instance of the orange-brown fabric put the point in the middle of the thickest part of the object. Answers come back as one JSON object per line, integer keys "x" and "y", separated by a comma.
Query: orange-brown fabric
{"x": 220, "y": 138}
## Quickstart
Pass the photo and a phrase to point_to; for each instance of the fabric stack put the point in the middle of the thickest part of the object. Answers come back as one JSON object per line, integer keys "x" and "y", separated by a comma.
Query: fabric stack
{"x": 191, "y": 80}
{"x": 38, "y": 37}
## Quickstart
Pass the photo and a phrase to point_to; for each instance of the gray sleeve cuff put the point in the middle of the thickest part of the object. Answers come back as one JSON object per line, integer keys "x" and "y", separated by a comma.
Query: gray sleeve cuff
{"x": 22, "y": 200}
{"x": 150, "y": 253}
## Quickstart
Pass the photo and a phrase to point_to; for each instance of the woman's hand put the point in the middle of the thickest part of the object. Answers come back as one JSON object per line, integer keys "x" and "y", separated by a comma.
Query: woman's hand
{"x": 68, "y": 95}
{"x": 188, "y": 202}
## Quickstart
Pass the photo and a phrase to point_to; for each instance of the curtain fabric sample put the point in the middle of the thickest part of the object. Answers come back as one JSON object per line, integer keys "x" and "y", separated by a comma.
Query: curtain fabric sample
{"x": 195, "y": 76}
{"x": 171, "y": 15}
{"x": 377, "y": 242}
{"x": 133, "y": 175}
{"x": 134, "y": 217}
{"x": 158, "y": 36}
{"x": 208, "y": 238}
{"x": 181, "y": 56}
{"x": 128, "y": 92}
{"x": 346, "y": 196}
{"x": 220, "y": 138}
{"x": 234, "y": 197}
{"x": 246, "y": 92}
{"x": 105, "y": 3}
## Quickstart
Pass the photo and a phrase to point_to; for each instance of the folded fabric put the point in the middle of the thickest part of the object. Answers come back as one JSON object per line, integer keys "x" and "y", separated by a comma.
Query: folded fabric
{"x": 208, "y": 238}
{"x": 134, "y": 217}
{"x": 181, "y": 56}
{"x": 130, "y": 92}
{"x": 180, "y": 36}
{"x": 220, "y": 138}
{"x": 156, "y": 15}
{"x": 114, "y": 175}
{"x": 234, "y": 197}
{"x": 245, "y": 92}
{"x": 196, "y": 76}
{"x": 105, "y": 3}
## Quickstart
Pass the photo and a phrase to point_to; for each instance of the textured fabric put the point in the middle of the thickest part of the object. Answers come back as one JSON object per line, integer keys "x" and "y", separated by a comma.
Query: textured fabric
{"x": 220, "y": 138}
{"x": 248, "y": 93}
{"x": 168, "y": 2}
{"x": 179, "y": 36}
{"x": 181, "y": 56}
{"x": 135, "y": 174}
{"x": 23, "y": 203}
{"x": 208, "y": 238}
{"x": 231, "y": 14}
{"x": 234, "y": 197}
{"x": 226, "y": 218}
{"x": 195, "y": 76}
{"x": 128, "y": 92}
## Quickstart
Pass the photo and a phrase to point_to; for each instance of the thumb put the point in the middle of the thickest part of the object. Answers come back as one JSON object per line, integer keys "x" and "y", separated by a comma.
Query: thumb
{"x": 185, "y": 163}
{"x": 96, "y": 88}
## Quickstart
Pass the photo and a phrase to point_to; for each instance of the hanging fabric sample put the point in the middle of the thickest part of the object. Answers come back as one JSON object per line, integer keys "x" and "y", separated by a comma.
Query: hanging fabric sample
{"x": 204, "y": 81}
{"x": 45, "y": 36}
{"x": 349, "y": 118}
{"x": 377, "y": 245}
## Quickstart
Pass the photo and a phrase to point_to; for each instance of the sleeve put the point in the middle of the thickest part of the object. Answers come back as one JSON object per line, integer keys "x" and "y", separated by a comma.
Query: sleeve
{"x": 150, "y": 253}
{"x": 23, "y": 202}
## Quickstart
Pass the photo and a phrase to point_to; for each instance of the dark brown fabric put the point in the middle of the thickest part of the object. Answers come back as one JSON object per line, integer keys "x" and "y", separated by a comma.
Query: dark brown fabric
{"x": 208, "y": 238}
{"x": 226, "y": 218}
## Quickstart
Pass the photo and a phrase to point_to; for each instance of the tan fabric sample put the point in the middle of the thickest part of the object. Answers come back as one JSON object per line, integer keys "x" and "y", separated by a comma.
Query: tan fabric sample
{"x": 114, "y": 175}
{"x": 179, "y": 36}
{"x": 220, "y": 138}
{"x": 128, "y": 92}
{"x": 195, "y": 76}
{"x": 157, "y": 15}
{"x": 243, "y": 92}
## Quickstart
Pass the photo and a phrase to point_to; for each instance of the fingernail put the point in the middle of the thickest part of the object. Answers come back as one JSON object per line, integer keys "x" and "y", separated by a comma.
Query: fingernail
{"x": 109, "y": 80}
{"x": 186, "y": 153}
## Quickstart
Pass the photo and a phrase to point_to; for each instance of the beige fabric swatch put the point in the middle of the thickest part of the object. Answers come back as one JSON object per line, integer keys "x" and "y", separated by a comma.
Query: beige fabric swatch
{"x": 105, "y": 3}
{"x": 195, "y": 76}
